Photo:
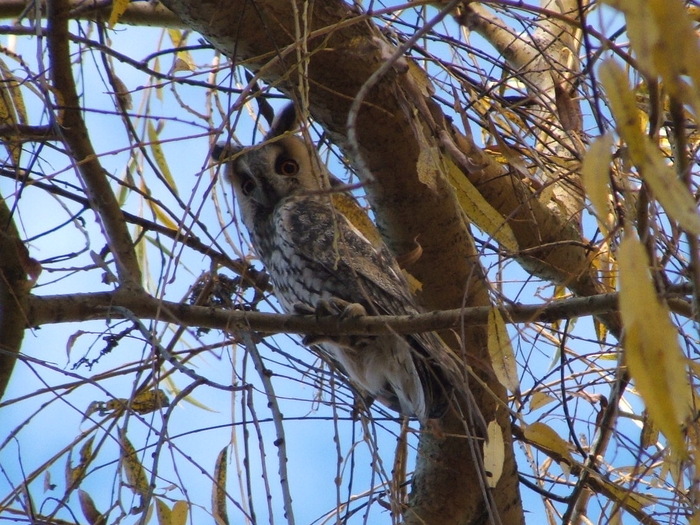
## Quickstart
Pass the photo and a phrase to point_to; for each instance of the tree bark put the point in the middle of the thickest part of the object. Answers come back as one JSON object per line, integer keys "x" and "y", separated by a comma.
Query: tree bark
{"x": 14, "y": 289}
{"x": 322, "y": 59}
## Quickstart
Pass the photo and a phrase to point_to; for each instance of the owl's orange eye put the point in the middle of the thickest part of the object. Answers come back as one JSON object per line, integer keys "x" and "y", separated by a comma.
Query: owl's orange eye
{"x": 287, "y": 167}
{"x": 247, "y": 186}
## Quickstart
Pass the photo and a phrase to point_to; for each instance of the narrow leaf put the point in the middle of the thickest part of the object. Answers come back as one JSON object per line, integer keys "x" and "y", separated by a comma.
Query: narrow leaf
{"x": 652, "y": 354}
{"x": 76, "y": 474}
{"x": 479, "y": 211}
{"x": 134, "y": 470}
{"x": 179, "y": 513}
{"x": 163, "y": 513}
{"x": 218, "y": 495}
{"x": 87, "y": 505}
{"x": 150, "y": 401}
{"x": 675, "y": 198}
{"x": 596, "y": 179}
{"x": 494, "y": 454}
{"x": 546, "y": 437}
{"x": 501, "y": 351}
{"x": 118, "y": 9}
{"x": 540, "y": 399}
{"x": 159, "y": 156}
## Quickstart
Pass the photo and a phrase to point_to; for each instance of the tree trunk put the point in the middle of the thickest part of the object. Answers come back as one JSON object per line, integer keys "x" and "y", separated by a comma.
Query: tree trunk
{"x": 322, "y": 61}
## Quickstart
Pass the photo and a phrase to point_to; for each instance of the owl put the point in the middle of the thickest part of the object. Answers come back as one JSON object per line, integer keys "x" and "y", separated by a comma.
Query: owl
{"x": 320, "y": 262}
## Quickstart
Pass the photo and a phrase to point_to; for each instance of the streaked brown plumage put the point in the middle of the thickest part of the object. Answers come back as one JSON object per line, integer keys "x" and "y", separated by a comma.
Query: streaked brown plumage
{"x": 319, "y": 261}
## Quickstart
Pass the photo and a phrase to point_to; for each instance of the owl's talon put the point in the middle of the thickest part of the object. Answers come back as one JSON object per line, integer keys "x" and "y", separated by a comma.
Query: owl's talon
{"x": 304, "y": 309}
{"x": 353, "y": 311}
{"x": 340, "y": 307}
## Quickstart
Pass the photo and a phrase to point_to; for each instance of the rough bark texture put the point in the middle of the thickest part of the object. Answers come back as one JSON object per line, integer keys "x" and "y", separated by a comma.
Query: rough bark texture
{"x": 13, "y": 294}
{"x": 328, "y": 68}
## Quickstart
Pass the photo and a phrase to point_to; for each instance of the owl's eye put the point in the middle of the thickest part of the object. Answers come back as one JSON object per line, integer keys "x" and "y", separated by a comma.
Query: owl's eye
{"x": 287, "y": 167}
{"x": 247, "y": 186}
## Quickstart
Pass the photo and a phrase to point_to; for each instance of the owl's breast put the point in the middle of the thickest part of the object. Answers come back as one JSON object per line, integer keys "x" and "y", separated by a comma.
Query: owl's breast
{"x": 295, "y": 278}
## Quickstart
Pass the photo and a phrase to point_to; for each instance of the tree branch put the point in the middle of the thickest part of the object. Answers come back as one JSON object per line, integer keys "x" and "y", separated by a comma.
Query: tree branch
{"x": 80, "y": 307}
{"x": 13, "y": 293}
{"x": 71, "y": 126}
{"x": 137, "y": 13}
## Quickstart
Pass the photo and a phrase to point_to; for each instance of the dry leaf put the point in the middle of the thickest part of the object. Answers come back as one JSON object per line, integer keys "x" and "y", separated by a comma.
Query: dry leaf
{"x": 595, "y": 173}
{"x": 652, "y": 355}
{"x": 501, "y": 351}
{"x": 546, "y": 437}
{"x": 494, "y": 454}
{"x": 218, "y": 495}
{"x": 134, "y": 470}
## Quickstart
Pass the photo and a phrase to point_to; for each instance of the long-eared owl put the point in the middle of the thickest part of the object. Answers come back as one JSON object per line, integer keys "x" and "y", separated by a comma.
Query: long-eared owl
{"x": 319, "y": 261}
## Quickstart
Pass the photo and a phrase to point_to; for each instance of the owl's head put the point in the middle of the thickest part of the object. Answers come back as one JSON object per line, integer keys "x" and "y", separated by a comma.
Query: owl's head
{"x": 281, "y": 166}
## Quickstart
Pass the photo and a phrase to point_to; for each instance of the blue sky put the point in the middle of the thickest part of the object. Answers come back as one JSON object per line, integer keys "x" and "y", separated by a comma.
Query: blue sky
{"x": 323, "y": 443}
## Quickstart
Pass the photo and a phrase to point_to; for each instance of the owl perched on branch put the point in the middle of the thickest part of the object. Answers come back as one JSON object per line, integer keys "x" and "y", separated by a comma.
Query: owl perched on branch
{"x": 319, "y": 261}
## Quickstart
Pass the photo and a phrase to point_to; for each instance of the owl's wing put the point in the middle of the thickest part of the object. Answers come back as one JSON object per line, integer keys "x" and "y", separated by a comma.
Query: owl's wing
{"x": 354, "y": 268}
{"x": 329, "y": 242}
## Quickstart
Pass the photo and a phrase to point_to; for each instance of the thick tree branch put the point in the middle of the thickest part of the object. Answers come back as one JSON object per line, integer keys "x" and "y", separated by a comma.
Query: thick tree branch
{"x": 141, "y": 13}
{"x": 72, "y": 128}
{"x": 547, "y": 60}
{"x": 14, "y": 288}
{"x": 79, "y": 307}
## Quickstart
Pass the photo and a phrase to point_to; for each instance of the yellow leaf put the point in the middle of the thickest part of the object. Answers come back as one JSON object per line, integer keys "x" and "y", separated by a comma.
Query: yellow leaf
{"x": 350, "y": 208}
{"x": 652, "y": 354}
{"x": 478, "y": 210}
{"x": 494, "y": 454}
{"x": 596, "y": 179}
{"x": 501, "y": 351}
{"x": 633, "y": 500}
{"x": 159, "y": 156}
{"x": 163, "y": 513}
{"x": 673, "y": 195}
{"x": 118, "y": 9}
{"x": 650, "y": 434}
{"x": 218, "y": 495}
{"x": 13, "y": 86}
{"x": 623, "y": 104}
{"x": 87, "y": 505}
{"x": 176, "y": 37}
{"x": 179, "y": 513}
{"x": 122, "y": 92}
{"x": 150, "y": 401}
{"x": 665, "y": 44}
{"x": 76, "y": 474}
{"x": 175, "y": 516}
{"x": 135, "y": 473}
{"x": 183, "y": 59}
{"x": 12, "y": 110}
{"x": 546, "y": 437}
{"x": 540, "y": 399}
{"x": 431, "y": 162}
{"x": 675, "y": 198}
{"x": 189, "y": 399}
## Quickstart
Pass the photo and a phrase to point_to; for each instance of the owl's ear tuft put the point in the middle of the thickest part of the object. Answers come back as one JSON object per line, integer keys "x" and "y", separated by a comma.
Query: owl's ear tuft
{"x": 218, "y": 151}
{"x": 286, "y": 120}
{"x": 225, "y": 151}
